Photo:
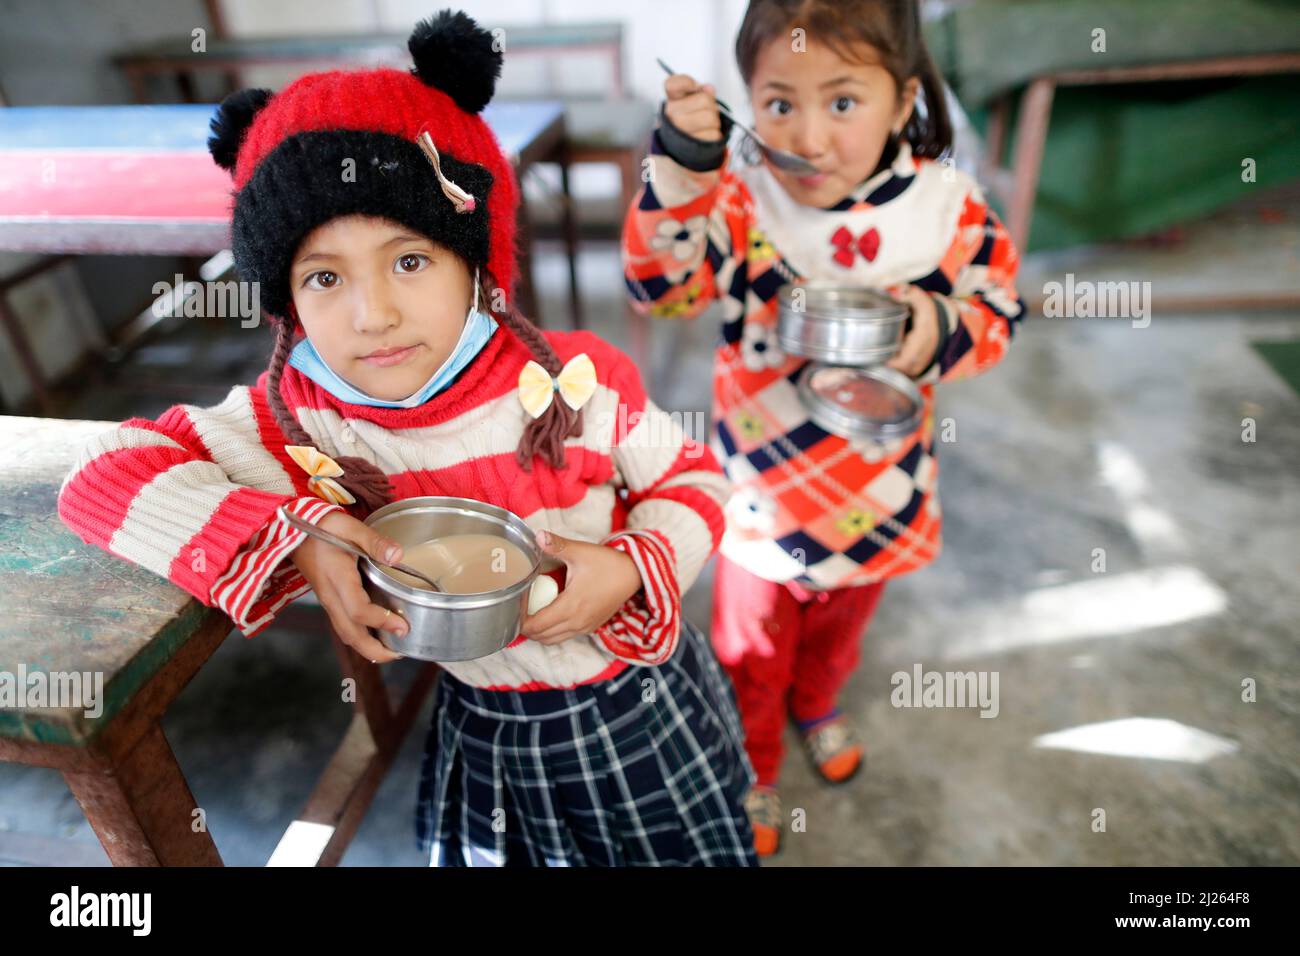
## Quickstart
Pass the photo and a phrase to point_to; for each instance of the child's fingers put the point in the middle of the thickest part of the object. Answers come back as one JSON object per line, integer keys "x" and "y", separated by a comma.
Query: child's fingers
{"x": 357, "y": 638}
{"x": 696, "y": 103}
{"x": 555, "y": 616}
{"x": 360, "y": 614}
{"x": 382, "y": 619}
{"x": 910, "y": 357}
{"x": 919, "y": 344}
{"x": 371, "y": 649}
{"x": 560, "y": 631}
{"x": 381, "y": 549}
{"x": 558, "y": 637}
{"x": 679, "y": 85}
{"x": 695, "y": 111}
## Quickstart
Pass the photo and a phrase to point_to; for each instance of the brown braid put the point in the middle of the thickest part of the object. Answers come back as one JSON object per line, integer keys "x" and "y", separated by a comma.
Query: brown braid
{"x": 543, "y": 435}
{"x": 368, "y": 484}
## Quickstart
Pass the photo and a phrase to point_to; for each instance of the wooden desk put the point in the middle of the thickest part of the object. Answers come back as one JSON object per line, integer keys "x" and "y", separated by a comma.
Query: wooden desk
{"x": 1018, "y": 185}
{"x": 67, "y": 607}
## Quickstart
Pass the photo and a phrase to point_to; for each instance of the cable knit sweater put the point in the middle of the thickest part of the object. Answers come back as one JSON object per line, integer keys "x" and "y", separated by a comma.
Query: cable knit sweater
{"x": 193, "y": 496}
{"x": 810, "y": 506}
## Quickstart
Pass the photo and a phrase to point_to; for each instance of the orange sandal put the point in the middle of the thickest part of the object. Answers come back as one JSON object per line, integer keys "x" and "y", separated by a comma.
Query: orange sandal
{"x": 833, "y": 749}
{"x": 764, "y": 808}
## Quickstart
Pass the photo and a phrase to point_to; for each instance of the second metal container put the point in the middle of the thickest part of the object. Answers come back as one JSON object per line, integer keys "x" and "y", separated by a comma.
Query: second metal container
{"x": 839, "y": 325}
{"x": 875, "y": 403}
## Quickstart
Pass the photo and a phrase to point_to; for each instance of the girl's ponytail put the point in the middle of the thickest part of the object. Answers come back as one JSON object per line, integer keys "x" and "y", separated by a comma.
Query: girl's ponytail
{"x": 931, "y": 134}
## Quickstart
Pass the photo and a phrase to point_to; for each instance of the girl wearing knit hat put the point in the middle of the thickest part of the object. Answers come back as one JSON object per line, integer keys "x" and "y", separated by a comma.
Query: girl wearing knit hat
{"x": 376, "y": 212}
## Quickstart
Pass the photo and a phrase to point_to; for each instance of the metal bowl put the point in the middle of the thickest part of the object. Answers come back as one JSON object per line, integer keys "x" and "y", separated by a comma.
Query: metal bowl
{"x": 450, "y": 627}
{"x": 874, "y": 403}
{"x": 839, "y": 325}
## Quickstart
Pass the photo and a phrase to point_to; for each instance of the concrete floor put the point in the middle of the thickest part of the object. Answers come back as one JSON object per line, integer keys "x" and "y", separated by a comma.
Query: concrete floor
{"x": 1091, "y": 435}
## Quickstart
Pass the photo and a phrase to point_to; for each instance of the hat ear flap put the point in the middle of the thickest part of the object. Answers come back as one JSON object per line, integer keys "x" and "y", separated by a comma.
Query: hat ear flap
{"x": 454, "y": 54}
{"x": 233, "y": 118}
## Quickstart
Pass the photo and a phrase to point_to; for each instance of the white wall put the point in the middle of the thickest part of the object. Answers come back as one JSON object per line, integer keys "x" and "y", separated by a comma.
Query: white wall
{"x": 694, "y": 36}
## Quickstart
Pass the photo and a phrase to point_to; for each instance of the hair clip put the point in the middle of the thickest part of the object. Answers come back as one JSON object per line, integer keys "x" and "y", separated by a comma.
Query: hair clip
{"x": 576, "y": 383}
{"x": 322, "y": 470}
{"x": 462, "y": 200}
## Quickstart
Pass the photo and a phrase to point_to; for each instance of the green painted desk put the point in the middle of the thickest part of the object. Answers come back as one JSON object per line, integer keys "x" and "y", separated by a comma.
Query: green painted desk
{"x": 69, "y": 607}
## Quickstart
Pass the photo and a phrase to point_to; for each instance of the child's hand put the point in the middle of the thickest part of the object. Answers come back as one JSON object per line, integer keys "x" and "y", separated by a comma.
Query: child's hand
{"x": 692, "y": 108}
{"x": 334, "y": 576}
{"x": 600, "y": 580}
{"x": 917, "y": 350}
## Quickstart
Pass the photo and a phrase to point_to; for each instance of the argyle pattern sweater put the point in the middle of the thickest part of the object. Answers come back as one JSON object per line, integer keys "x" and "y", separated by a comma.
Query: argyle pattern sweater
{"x": 812, "y": 507}
{"x": 194, "y": 496}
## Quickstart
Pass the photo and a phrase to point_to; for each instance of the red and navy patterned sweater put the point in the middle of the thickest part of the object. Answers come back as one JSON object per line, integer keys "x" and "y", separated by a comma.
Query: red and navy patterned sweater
{"x": 810, "y": 506}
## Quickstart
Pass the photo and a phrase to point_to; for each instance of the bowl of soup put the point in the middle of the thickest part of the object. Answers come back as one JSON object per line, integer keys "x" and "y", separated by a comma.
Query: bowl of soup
{"x": 484, "y": 558}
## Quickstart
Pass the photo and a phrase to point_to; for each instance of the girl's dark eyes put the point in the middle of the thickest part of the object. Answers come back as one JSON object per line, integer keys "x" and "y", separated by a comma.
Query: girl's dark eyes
{"x": 840, "y": 105}
{"x": 416, "y": 256}
{"x": 408, "y": 264}
{"x": 307, "y": 283}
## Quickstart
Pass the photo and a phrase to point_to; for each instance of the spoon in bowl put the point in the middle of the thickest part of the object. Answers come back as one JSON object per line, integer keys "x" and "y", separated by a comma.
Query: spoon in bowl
{"x": 306, "y": 527}
{"x": 778, "y": 157}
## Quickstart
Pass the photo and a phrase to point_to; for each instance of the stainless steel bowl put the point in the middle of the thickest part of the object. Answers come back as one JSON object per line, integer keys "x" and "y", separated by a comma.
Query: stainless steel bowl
{"x": 839, "y": 325}
{"x": 878, "y": 403}
{"x": 450, "y": 627}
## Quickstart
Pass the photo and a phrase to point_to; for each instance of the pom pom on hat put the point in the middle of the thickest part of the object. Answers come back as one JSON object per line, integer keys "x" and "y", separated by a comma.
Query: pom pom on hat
{"x": 233, "y": 118}
{"x": 454, "y": 54}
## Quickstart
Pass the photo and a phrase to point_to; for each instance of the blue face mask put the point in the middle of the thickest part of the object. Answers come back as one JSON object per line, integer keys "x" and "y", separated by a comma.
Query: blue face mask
{"x": 479, "y": 328}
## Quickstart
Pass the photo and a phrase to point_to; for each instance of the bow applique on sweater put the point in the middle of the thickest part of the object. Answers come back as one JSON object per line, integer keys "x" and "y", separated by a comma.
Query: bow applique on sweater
{"x": 846, "y": 247}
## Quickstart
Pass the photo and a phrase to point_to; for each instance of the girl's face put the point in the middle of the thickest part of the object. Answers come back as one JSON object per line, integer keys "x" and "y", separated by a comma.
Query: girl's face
{"x": 835, "y": 113}
{"x": 383, "y": 305}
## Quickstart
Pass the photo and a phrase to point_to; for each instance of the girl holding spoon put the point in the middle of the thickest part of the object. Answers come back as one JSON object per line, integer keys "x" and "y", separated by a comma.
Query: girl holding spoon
{"x": 819, "y": 522}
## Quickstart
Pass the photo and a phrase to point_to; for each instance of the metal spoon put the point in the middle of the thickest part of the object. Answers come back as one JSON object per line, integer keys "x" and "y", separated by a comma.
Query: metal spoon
{"x": 306, "y": 527}
{"x": 779, "y": 157}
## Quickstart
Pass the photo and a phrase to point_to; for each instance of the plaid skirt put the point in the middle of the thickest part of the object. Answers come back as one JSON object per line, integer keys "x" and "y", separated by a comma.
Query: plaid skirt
{"x": 648, "y": 768}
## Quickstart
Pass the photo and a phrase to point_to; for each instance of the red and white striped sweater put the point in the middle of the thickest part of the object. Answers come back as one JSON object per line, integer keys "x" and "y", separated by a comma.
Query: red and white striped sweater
{"x": 193, "y": 495}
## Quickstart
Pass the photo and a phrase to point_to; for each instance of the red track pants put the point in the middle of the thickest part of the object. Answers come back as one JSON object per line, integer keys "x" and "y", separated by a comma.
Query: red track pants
{"x": 788, "y": 651}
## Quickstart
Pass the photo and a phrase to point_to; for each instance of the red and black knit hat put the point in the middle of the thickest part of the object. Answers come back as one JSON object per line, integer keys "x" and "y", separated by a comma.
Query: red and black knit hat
{"x": 344, "y": 142}
{"x": 405, "y": 146}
